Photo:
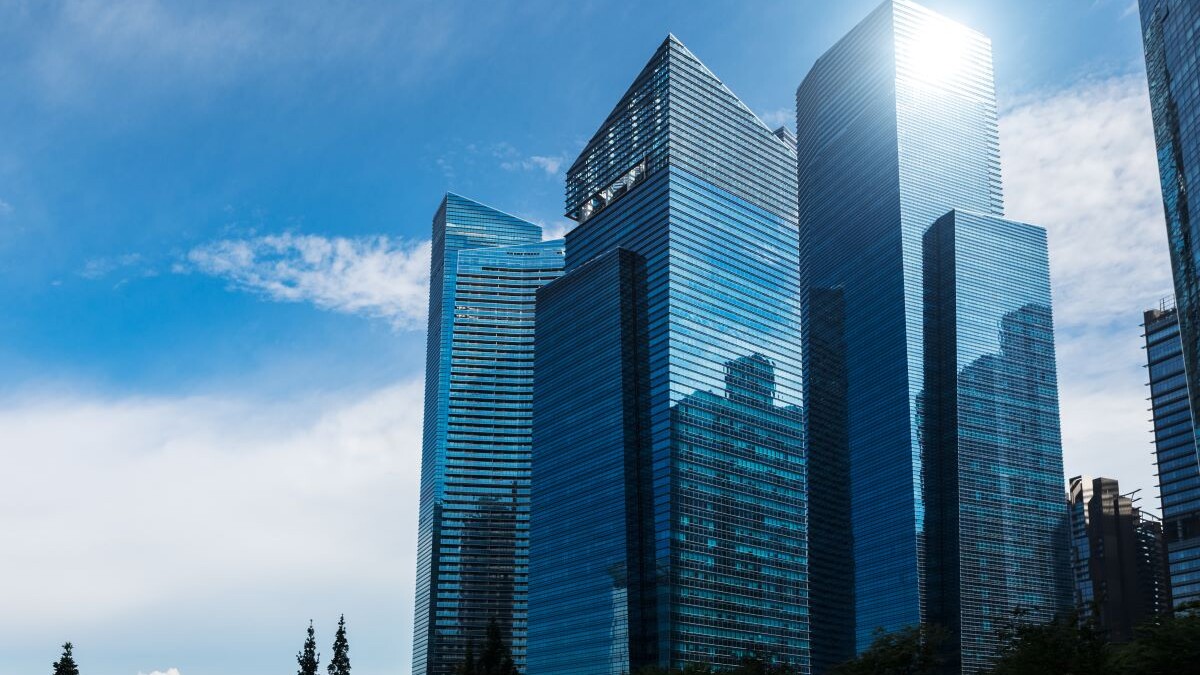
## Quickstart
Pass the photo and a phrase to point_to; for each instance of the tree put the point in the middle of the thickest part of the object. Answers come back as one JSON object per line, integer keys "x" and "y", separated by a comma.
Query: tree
{"x": 66, "y": 663}
{"x": 308, "y": 658}
{"x": 1067, "y": 645}
{"x": 467, "y": 667}
{"x": 910, "y": 651}
{"x": 339, "y": 663}
{"x": 496, "y": 658}
{"x": 1165, "y": 645}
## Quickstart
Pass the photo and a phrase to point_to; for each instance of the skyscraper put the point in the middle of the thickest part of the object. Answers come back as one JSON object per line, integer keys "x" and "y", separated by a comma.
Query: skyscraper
{"x": 1175, "y": 449}
{"x": 473, "y": 535}
{"x": 897, "y": 129}
{"x": 668, "y": 501}
{"x": 1171, "y": 37}
{"x": 1120, "y": 561}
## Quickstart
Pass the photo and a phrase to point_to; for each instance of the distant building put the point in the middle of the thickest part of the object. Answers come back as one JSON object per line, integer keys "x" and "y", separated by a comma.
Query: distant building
{"x": 1175, "y": 450}
{"x": 473, "y": 531}
{"x": 933, "y": 423}
{"x": 669, "y": 521}
{"x": 1120, "y": 560}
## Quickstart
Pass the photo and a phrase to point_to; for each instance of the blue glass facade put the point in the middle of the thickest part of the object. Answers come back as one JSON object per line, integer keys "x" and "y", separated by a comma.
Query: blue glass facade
{"x": 896, "y": 127}
{"x": 996, "y": 527}
{"x": 1171, "y": 36}
{"x": 686, "y": 187}
{"x": 1079, "y": 495}
{"x": 473, "y": 532}
{"x": 1175, "y": 449}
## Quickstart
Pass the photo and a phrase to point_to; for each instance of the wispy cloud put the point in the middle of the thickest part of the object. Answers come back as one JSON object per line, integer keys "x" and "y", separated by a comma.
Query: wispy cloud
{"x": 168, "y": 671}
{"x": 378, "y": 277}
{"x": 1081, "y": 162}
{"x": 512, "y": 159}
{"x": 129, "y": 515}
{"x": 98, "y": 268}
{"x": 779, "y": 118}
{"x": 80, "y": 46}
{"x": 5, "y": 208}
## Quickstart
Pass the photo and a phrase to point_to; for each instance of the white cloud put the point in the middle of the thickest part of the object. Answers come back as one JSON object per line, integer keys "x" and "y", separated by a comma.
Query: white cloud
{"x": 548, "y": 164}
{"x": 512, "y": 159}
{"x": 1081, "y": 162}
{"x": 168, "y": 671}
{"x": 377, "y": 277}
{"x": 779, "y": 118}
{"x": 5, "y": 208}
{"x": 159, "y": 517}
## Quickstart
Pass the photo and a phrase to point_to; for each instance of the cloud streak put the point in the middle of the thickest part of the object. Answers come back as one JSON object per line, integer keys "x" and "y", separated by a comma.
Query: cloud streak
{"x": 377, "y": 277}
{"x": 1081, "y": 162}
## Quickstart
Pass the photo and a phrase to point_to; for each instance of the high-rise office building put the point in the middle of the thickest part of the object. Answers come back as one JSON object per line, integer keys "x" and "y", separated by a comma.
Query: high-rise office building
{"x": 668, "y": 500}
{"x": 1119, "y": 558}
{"x": 897, "y": 128}
{"x": 1175, "y": 450}
{"x": 995, "y": 527}
{"x": 1171, "y": 37}
{"x": 473, "y": 534}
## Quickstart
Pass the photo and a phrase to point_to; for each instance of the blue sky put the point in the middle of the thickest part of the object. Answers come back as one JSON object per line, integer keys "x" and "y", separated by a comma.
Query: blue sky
{"x": 212, "y": 227}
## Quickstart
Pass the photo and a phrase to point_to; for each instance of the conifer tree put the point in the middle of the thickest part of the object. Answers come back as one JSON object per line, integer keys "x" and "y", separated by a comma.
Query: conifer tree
{"x": 308, "y": 658}
{"x": 496, "y": 658}
{"x": 66, "y": 663}
{"x": 339, "y": 663}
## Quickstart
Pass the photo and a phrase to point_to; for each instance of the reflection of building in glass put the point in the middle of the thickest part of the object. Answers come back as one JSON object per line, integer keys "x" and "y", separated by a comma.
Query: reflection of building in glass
{"x": 1079, "y": 496}
{"x": 896, "y": 126}
{"x": 995, "y": 524}
{"x": 1175, "y": 449}
{"x": 473, "y": 535}
{"x": 1171, "y": 37}
{"x": 681, "y": 282}
{"x": 1119, "y": 558}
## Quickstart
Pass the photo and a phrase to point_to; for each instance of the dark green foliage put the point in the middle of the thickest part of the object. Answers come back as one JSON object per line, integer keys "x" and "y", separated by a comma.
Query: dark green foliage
{"x": 308, "y": 658}
{"x": 1169, "y": 645}
{"x": 496, "y": 658}
{"x": 1067, "y": 646}
{"x": 911, "y": 651}
{"x": 339, "y": 663}
{"x": 66, "y": 663}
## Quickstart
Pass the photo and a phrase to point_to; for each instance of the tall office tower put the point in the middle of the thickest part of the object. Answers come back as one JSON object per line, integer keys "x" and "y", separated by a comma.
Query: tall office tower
{"x": 896, "y": 128}
{"x": 1119, "y": 556}
{"x": 995, "y": 526}
{"x": 668, "y": 500}
{"x": 473, "y": 536}
{"x": 1175, "y": 449}
{"x": 1171, "y": 37}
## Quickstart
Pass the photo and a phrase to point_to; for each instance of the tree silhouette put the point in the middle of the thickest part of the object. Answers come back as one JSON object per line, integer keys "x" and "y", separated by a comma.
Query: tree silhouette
{"x": 339, "y": 663}
{"x": 66, "y": 663}
{"x": 308, "y": 658}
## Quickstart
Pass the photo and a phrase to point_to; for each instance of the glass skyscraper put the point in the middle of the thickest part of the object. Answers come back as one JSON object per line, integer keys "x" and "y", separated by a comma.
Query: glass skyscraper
{"x": 473, "y": 534}
{"x": 1175, "y": 448}
{"x": 897, "y": 131}
{"x": 1171, "y": 37}
{"x": 669, "y": 496}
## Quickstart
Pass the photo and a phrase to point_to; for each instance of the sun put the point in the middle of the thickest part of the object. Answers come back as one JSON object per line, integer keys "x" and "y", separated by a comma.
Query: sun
{"x": 938, "y": 50}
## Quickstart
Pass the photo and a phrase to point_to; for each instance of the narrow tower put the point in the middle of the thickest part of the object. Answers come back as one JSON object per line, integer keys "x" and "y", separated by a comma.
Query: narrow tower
{"x": 473, "y": 534}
